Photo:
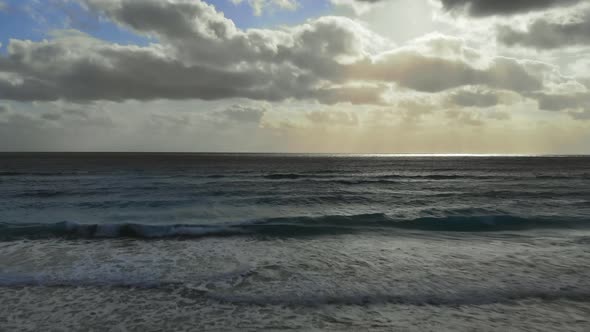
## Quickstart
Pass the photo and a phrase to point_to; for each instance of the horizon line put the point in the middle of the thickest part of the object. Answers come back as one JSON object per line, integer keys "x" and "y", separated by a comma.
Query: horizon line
{"x": 425, "y": 154}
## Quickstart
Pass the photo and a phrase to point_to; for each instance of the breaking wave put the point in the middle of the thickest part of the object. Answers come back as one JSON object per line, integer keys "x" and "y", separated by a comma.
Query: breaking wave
{"x": 290, "y": 227}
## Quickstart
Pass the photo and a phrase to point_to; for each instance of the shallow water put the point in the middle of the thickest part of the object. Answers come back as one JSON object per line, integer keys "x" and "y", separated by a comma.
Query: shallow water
{"x": 218, "y": 242}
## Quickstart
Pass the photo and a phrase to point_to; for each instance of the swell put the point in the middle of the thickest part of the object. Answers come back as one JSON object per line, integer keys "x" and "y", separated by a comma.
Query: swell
{"x": 290, "y": 227}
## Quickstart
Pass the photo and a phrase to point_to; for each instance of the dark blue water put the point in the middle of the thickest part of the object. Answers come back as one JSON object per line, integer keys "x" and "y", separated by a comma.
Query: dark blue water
{"x": 360, "y": 237}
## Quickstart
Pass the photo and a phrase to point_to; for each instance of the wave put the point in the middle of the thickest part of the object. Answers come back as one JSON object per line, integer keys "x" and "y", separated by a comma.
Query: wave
{"x": 367, "y": 181}
{"x": 76, "y": 230}
{"x": 17, "y": 173}
{"x": 51, "y": 193}
{"x": 439, "y": 176}
{"x": 562, "y": 177}
{"x": 485, "y": 177}
{"x": 47, "y": 280}
{"x": 289, "y": 176}
{"x": 325, "y": 175}
{"x": 290, "y": 227}
{"x": 216, "y": 176}
{"x": 196, "y": 289}
{"x": 514, "y": 194}
{"x": 41, "y": 193}
{"x": 433, "y": 177}
{"x": 295, "y": 176}
{"x": 459, "y": 298}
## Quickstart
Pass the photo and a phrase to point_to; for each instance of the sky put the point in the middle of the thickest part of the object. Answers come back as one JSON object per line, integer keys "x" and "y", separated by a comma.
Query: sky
{"x": 320, "y": 76}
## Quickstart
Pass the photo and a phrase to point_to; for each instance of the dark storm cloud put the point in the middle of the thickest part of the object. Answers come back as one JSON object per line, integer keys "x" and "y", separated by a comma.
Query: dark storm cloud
{"x": 542, "y": 34}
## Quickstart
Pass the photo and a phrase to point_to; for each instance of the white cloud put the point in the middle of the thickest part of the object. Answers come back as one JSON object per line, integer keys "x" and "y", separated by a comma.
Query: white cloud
{"x": 544, "y": 33}
{"x": 203, "y": 55}
{"x": 261, "y": 6}
{"x": 358, "y": 7}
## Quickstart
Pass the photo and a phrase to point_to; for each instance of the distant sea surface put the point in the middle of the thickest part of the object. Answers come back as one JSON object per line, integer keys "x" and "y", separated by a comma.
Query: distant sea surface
{"x": 148, "y": 242}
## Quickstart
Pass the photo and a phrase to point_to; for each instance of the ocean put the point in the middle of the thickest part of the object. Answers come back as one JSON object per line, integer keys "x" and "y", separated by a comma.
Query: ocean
{"x": 217, "y": 242}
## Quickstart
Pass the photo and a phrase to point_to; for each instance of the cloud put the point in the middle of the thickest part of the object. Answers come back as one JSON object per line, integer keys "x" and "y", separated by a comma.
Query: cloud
{"x": 175, "y": 19}
{"x": 76, "y": 113}
{"x": 352, "y": 94}
{"x": 357, "y": 6}
{"x": 81, "y": 68}
{"x": 200, "y": 54}
{"x": 479, "y": 8}
{"x": 464, "y": 118}
{"x": 455, "y": 65}
{"x": 332, "y": 118}
{"x": 51, "y": 116}
{"x": 84, "y": 69}
{"x": 545, "y": 34}
{"x": 244, "y": 114}
{"x": 467, "y": 98}
{"x": 260, "y": 6}
{"x": 560, "y": 102}
{"x": 195, "y": 31}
